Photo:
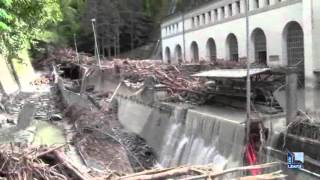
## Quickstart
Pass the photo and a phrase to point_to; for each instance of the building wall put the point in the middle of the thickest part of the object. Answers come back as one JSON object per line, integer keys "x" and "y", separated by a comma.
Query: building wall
{"x": 311, "y": 15}
{"x": 272, "y": 19}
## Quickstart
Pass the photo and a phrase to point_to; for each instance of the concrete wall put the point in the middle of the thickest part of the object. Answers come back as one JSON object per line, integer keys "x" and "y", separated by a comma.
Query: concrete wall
{"x": 311, "y": 23}
{"x": 272, "y": 19}
{"x": 7, "y": 80}
{"x": 70, "y": 98}
{"x": 107, "y": 81}
{"x": 184, "y": 136}
{"x": 150, "y": 123}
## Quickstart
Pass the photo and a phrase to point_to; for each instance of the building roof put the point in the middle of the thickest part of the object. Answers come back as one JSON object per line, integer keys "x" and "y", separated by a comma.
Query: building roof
{"x": 230, "y": 73}
{"x": 198, "y": 5}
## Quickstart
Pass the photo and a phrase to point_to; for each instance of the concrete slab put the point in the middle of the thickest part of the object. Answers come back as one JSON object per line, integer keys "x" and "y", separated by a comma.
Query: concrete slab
{"x": 6, "y": 79}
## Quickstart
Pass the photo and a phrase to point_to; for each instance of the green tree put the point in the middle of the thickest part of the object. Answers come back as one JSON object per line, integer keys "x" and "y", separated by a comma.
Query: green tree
{"x": 22, "y": 21}
{"x": 72, "y": 11}
{"x": 25, "y": 20}
{"x": 4, "y": 16}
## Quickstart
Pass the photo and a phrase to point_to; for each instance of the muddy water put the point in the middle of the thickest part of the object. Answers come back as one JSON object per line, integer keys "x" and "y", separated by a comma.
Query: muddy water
{"x": 48, "y": 134}
{"x": 37, "y": 133}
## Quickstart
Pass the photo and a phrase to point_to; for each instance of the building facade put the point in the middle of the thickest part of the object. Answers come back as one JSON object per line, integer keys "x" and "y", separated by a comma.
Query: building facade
{"x": 281, "y": 33}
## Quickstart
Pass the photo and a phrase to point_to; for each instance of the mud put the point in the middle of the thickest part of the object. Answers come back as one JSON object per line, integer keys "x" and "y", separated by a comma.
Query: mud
{"x": 103, "y": 142}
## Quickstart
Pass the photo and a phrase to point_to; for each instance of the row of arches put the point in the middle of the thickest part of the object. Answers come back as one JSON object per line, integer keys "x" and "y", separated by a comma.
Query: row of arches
{"x": 293, "y": 45}
{"x": 177, "y": 54}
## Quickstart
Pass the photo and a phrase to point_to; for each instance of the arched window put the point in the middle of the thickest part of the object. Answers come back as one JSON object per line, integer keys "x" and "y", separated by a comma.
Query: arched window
{"x": 194, "y": 52}
{"x": 232, "y": 48}
{"x": 178, "y": 54}
{"x": 260, "y": 46}
{"x": 294, "y": 48}
{"x": 168, "y": 55}
{"x": 211, "y": 50}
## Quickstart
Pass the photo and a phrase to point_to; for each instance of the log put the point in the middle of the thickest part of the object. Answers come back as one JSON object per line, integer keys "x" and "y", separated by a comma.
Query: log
{"x": 152, "y": 171}
{"x": 195, "y": 168}
{"x": 50, "y": 150}
{"x": 269, "y": 176}
{"x": 221, "y": 173}
{"x": 201, "y": 172}
{"x": 164, "y": 175}
{"x": 69, "y": 166}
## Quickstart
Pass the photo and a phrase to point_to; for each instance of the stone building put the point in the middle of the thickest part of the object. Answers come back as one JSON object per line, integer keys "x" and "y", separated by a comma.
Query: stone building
{"x": 282, "y": 32}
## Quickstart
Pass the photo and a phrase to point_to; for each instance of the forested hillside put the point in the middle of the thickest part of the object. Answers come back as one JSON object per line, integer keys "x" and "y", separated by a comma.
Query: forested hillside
{"x": 121, "y": 25}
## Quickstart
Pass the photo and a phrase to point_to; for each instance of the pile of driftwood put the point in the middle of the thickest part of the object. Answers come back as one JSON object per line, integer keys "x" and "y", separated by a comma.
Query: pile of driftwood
{"x": 169, "y": 75}
{"x": 178, "y": 86}
{"x": 42, "y": 80}
{"x": 207, "y": 172}
{"x": 25, "y": 163}
{"x": 175, "y": 78}
{"x": 64, "y": 55}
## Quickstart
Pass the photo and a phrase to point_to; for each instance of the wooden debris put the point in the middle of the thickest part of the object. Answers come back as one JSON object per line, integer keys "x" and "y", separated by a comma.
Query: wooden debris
{"x": 203, "y": 172}
{"x": 179, "y": 85}
{"x": 25, "y": 163}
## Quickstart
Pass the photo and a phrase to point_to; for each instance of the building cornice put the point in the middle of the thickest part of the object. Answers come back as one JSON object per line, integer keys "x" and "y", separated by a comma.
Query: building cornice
{"x": 235, "y": 17}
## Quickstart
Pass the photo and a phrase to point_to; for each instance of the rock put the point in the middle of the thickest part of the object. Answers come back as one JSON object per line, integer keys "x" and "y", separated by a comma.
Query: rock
{"x": 11, "y": 121}
{"x": 56, "y": 117}
{"x": 2, "y": 108}
{"x": 3, "y": 119}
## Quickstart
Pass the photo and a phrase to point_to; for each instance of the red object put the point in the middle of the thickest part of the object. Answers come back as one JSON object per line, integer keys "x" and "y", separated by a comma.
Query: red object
{"x": 251, "y": 159}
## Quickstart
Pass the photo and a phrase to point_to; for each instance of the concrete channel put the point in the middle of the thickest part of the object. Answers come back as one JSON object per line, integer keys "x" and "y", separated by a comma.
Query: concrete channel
{"x": 182, "y": 134}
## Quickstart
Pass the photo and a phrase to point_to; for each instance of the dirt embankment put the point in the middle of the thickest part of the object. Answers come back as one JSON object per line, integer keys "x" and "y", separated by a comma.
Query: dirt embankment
{"x": 102, "y": 142}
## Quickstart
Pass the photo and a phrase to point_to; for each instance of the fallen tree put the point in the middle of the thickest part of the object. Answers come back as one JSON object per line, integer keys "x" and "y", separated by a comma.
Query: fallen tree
{"x": 203, "y": 172}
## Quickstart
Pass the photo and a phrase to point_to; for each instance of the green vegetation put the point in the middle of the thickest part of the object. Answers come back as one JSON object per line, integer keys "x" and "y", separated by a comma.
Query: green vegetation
{"x": 25, "y": 20}
{"x": 21, "y": 22}
{"x": 72, "y": 11}
{"x": 5, "y": 18}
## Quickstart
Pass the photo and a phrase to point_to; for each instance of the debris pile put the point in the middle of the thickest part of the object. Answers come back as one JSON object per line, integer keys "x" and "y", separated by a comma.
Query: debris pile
{"x": 42, "y": 80}
{"x": 175, "y": 80}
{"x": 25, "y": 163}
{"x": 101, "y": 142}
{"x": 61, "y": 56}
{"x": 169, "y": 77}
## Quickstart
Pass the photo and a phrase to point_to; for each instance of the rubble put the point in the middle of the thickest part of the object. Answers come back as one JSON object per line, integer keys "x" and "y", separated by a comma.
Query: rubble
{"x": 42, "y": 80}
{"x": 175, "y": 80}
{"x": 62, "y": 56}
{"x": 25, "y": 163}
{"x": 103, "y": 142}
{"x": 182, "y": 87}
